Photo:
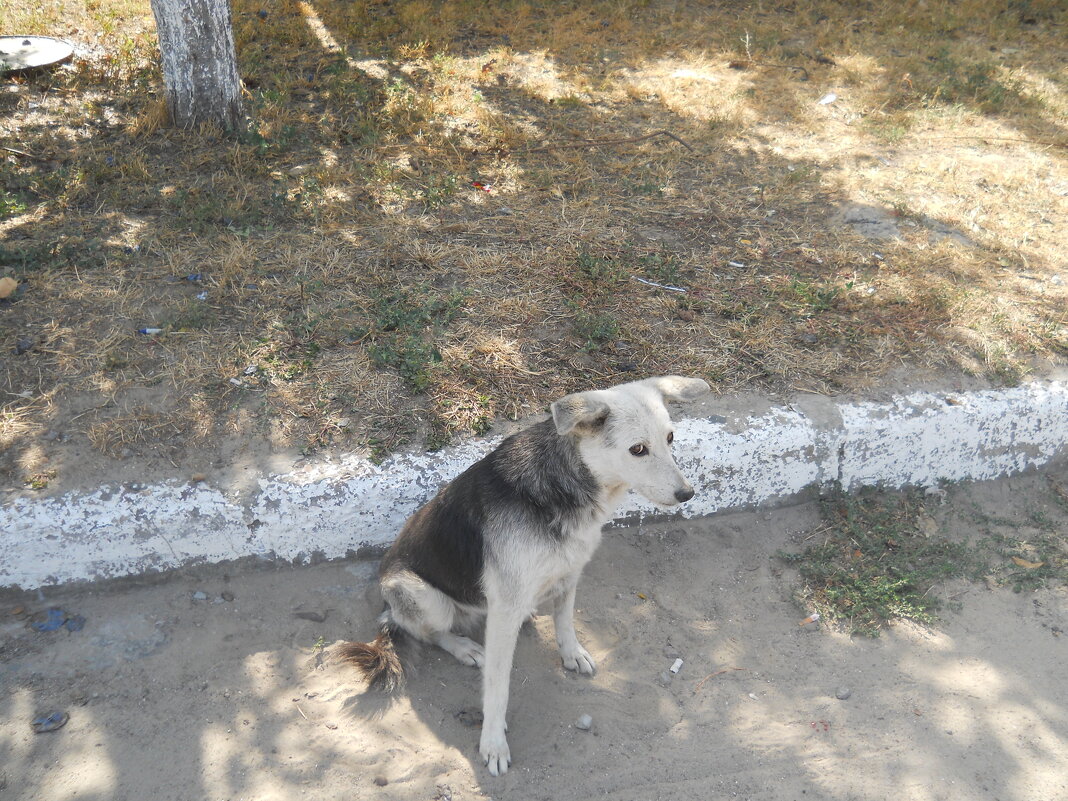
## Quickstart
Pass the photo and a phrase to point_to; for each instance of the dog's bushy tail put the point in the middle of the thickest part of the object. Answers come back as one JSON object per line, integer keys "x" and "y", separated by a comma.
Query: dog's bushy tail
{"x": 376, "y": 660}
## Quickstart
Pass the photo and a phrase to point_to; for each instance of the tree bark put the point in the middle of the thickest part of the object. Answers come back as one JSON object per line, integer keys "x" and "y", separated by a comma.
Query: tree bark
{"x": 196, "y": 42}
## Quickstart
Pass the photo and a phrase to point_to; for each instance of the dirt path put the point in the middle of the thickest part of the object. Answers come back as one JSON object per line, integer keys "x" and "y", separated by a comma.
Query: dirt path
{"x": 228, "y": 697}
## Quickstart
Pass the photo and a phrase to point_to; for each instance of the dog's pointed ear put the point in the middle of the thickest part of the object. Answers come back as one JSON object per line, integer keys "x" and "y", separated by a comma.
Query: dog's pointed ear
{"x": 678, "y": 387}
{"x": 579, "y": 410}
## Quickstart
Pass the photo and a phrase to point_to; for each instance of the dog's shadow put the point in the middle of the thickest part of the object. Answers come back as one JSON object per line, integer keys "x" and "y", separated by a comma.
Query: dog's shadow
{"x": 370, "y": 704}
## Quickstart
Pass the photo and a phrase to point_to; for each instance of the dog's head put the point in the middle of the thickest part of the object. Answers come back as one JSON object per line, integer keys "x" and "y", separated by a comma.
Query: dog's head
{"x": 624, "y": 434}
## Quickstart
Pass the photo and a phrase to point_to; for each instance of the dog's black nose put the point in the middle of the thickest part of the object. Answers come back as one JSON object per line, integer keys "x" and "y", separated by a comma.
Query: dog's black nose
{"x": 683, "y": 495}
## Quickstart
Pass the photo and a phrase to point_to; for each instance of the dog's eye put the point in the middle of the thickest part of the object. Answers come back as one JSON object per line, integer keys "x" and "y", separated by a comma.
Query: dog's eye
{"x": 671, "y": 437}
{"x": 639, "y": 450}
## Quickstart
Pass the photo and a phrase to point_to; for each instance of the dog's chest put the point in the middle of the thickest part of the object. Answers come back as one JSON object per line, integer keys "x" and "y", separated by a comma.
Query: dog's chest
{"x": 583, "y": 535}
{"x": 571, "y": 552}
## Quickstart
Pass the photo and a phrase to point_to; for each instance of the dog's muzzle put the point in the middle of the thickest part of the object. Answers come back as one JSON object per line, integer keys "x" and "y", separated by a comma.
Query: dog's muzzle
{"x": 683, "y": 495}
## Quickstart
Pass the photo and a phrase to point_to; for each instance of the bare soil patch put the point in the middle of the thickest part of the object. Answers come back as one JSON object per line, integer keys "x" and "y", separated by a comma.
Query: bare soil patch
{"x": 221, "y": 683}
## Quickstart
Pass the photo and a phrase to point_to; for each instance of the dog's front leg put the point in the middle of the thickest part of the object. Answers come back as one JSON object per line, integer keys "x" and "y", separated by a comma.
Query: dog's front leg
{"x": 571, "y": 651}
{"x": 503, "y": 620}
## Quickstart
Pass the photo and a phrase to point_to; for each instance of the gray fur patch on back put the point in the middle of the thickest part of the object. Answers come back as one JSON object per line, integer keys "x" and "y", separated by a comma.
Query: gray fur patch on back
{"x": 545, "y": 470}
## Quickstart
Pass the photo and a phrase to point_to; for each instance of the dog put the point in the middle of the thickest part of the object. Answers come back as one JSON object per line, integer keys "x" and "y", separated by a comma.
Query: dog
{"x": 516, "y": 529}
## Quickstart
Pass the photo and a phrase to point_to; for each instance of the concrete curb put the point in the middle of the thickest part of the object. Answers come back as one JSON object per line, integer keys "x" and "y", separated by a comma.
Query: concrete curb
{"x": 734, "y": 460}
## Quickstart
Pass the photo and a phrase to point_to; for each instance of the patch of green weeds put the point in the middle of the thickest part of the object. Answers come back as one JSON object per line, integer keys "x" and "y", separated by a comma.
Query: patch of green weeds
{"x": 1028, "y": 563}
{"x": 595, "y": 329}
{"x": 743, "y": 311}
{"x": 877, "y": 562}
{"x": 10, "y": 205}
{"x": 192, "y": 315}
{"x": 412, "y": 357}
{"x": 115, "y": 360}
{"x": 359, "y": 130}
{"x": 800, "y": 175}
{"x": 437, "y": 437}
{"x": 889, "y": 130}
{"x": 404, "y": 326}
{"x": 599, "y": 269}
{"x": 1025, "y": 554}
{"x": 271, "y": 144}
{"x": 40, "y": 481}
{"x": 570, "y": 101}
{"x": 976, "y": 84}
{"x": 661, "y": 267}
{"x": 439, "y": 191}
{"x": 647, "y": 186}
{"x": 33, "y": 257}
{"x": 809, "y": 298}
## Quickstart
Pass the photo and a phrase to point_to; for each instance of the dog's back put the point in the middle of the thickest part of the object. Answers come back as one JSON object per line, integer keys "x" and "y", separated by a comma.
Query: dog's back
{"x": 531, "y": 483}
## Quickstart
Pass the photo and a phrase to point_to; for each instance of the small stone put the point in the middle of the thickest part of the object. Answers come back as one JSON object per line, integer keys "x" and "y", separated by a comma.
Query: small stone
{"x": 381, "y": 781}
{"x": 228, "y": 596}
{"x": 842, "y": 693}
{"x": 808, "y": 338}
{"x": 24, "y": 345}
{"x": 200, "y": 595}
{"x": 585, "y": 723}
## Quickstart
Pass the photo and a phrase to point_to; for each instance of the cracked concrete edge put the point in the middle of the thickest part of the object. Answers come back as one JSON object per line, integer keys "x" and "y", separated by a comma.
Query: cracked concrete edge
{"x": 737, "y": 458}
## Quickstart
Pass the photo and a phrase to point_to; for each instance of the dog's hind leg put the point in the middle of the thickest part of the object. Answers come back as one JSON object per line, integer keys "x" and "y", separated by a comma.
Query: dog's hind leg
{"x": 571, "y": 651}
{"x": 428, "y": 614}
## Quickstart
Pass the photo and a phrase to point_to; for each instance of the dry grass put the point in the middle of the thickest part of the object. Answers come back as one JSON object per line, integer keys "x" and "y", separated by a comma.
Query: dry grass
{"x": 392, "y": 253}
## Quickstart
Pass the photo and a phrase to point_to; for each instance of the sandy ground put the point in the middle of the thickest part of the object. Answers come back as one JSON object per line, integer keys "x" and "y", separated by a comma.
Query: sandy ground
{"x": 170, "y": 697}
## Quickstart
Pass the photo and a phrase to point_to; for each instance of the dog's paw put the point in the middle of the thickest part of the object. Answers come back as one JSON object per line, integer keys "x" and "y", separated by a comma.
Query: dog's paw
{"x": 471, "y": 653}
{"x": 495, "y": 753}
{"x": 578, "y": 659}
{"x": 466, "y": 650}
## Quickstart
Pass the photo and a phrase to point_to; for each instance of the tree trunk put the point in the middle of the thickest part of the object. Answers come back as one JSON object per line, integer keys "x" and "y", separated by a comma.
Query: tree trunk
{"x": 196, "y": 41}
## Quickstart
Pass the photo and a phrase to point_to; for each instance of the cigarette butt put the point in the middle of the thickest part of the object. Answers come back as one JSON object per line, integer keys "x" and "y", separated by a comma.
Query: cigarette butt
{"x": 810, "y": 619}
{"x": 676, "y": 667}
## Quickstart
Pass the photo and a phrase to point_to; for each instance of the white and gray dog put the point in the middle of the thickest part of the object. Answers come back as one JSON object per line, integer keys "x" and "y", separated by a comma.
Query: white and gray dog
{"x": 517, "y": 528}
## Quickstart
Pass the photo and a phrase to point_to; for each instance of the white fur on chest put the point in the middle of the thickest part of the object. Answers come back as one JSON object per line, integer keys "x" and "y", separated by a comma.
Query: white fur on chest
{"x": 576, "y": 547}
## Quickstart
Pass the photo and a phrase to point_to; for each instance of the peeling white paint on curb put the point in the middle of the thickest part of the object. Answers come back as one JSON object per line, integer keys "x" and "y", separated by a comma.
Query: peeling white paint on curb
{"x": 734, "y": 461}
